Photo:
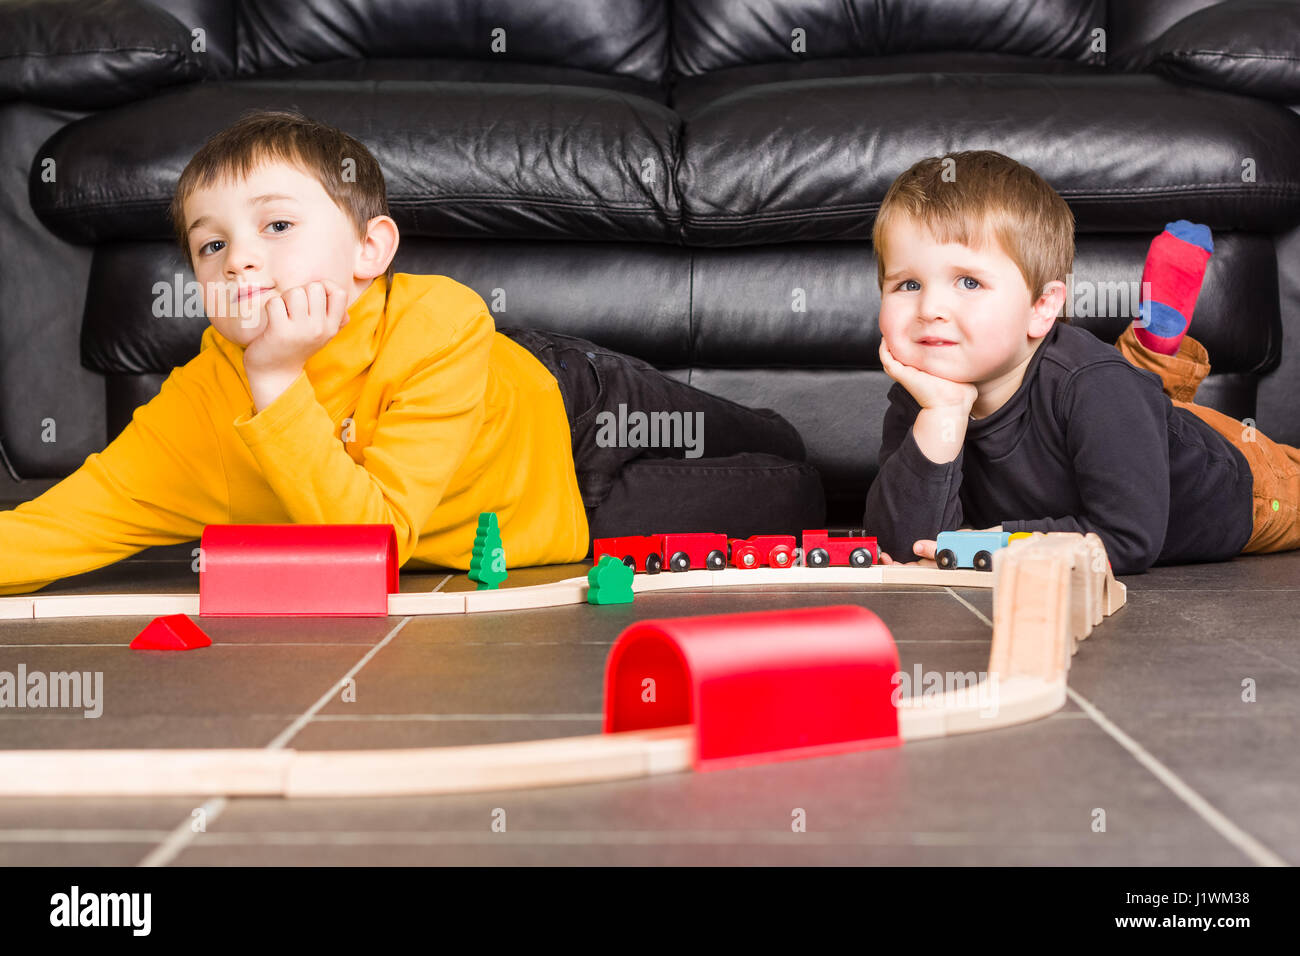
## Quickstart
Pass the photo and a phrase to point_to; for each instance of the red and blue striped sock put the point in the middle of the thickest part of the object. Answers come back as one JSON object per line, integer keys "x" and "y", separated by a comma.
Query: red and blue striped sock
{"x": 1174, "y": 268}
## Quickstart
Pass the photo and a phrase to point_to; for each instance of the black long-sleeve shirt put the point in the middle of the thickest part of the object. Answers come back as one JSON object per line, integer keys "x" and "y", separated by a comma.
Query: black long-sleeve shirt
{"x": 1089, "y": 442}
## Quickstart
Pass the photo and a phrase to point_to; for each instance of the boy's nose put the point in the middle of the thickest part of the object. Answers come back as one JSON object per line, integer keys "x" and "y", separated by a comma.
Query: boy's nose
{"x": 241, "y": 258}
{"x": 933, "y": 308}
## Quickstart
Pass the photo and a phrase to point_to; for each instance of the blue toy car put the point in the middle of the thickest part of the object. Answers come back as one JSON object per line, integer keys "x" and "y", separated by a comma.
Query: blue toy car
{"x": 968, "y": 549}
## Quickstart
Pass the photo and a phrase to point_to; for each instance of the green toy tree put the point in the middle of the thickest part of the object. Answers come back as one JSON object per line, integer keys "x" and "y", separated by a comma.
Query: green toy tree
{"x": 609, "y": 582}
{"x": 487, "y": 565}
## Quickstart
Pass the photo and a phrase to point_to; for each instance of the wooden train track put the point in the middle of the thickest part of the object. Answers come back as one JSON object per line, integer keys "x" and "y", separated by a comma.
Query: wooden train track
{"x": 1049, "y": 591}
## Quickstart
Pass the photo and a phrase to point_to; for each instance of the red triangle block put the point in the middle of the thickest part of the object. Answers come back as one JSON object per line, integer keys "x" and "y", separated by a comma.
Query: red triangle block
{"x": 174, "y": 632}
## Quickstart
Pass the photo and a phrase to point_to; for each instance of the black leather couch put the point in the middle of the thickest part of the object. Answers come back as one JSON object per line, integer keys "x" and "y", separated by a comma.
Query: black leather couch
{"x": 671, "y": 178}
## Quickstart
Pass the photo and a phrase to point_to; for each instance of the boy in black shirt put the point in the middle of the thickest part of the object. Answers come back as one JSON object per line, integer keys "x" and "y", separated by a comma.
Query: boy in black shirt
{"x": 1005, "y": 416}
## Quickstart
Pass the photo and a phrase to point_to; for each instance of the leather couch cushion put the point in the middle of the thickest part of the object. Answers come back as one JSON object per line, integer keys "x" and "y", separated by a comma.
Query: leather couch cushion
{"x": 1250, "y": 47}
{"x": 1122, "y": 150}
{"x": 77, "y": 55}
{"x": 460, "y": 159}
{"x": 627, "y": 37}
{"x": 712, "y": 35}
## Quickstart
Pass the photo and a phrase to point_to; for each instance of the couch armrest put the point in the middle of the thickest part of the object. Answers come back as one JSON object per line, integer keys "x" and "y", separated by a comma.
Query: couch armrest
{"x": 91, "y": 54}
{"x": 1250, "y": 47}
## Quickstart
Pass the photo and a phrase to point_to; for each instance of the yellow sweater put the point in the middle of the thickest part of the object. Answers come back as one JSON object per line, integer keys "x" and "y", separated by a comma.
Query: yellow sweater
{"x": 448, "y": 419}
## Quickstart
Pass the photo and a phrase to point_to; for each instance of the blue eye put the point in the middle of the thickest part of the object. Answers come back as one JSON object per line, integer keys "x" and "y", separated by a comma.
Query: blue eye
{"x": 969, "y": 279}
{"x": 278, "y": 222}
{"x": 907, "y": 282}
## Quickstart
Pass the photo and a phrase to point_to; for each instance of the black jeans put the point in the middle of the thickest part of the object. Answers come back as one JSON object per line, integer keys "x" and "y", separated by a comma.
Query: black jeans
{"x": 653, "y": 454}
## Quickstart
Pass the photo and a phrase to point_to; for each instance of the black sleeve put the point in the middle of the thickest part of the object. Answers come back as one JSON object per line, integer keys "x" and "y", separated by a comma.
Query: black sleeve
{"x": 1117, "y": 436}
{"x": 912, "y": 498}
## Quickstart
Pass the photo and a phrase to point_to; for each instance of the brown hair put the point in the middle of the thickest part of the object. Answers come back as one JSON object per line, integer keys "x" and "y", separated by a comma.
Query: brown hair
{"x": 286, "y": 136}
{"x": 985, "y": 195}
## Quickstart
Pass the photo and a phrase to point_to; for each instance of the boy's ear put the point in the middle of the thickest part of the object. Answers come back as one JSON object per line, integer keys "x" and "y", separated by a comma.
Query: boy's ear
{"x": 1047, "y": 308}
{"x": 378, "y": 248}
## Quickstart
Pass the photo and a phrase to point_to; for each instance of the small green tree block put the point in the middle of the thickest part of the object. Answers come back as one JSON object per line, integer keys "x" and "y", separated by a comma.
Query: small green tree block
{"x": 487, "y": 563}
{"x": 609, "y": 582}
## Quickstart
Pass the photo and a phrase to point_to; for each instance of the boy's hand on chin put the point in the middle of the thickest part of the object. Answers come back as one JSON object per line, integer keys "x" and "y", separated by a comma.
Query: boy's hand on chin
{"x": 299, "y": 323}
{"x": 930, "y": 391}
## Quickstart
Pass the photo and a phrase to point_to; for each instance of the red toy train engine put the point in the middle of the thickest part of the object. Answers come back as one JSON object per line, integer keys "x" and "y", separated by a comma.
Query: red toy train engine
{"x": 854, "y": 549}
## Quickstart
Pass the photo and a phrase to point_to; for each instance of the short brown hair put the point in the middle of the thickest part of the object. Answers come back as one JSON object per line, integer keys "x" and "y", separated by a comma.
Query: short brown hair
{"x": 986, "y": 195}
{"x": 286, "y": 136}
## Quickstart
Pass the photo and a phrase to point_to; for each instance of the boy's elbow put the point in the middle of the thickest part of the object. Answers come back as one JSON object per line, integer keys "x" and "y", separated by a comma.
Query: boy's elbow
{"x": 1120, "y": 566}
{"x": 1134, "y": 556}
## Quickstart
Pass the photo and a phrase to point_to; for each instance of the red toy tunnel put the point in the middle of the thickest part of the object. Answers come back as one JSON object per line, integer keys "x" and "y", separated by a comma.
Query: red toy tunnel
{"x": 322, "y": 569}
{"x": 759, "y": 686}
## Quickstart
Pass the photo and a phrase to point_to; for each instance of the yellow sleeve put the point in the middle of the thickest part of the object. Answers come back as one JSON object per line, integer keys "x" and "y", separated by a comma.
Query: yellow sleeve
{"x": 159, "y": 482}
{"x": 419, "y": 442}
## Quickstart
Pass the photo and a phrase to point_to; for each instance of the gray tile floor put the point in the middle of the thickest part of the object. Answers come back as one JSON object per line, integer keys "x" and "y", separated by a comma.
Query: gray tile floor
{"x": 1155, "y": 739}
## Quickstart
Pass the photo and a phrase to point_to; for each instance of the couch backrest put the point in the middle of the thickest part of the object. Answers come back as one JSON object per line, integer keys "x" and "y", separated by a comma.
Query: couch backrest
{"x": 712, "y": 35}
{"x": 624, "y": 37}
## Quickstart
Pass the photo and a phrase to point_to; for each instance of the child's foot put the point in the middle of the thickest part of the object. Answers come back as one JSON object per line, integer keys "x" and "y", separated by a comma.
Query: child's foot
{"x": 1174, "y": 268}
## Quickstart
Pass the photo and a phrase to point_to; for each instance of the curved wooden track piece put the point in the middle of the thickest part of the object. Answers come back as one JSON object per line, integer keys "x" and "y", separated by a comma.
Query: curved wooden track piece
{"x": 1048, "y": 593}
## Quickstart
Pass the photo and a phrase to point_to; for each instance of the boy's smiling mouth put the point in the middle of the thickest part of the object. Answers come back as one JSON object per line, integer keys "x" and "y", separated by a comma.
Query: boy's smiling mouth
{"x": 934, "y": 342}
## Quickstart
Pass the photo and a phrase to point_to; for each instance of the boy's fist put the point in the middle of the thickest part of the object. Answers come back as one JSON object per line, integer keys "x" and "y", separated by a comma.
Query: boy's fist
{"x": 299, "y": 322}
{"x": 930, "y": 391}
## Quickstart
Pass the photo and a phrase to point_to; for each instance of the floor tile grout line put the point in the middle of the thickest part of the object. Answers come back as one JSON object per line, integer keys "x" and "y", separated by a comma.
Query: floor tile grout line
{"x": 973, "y": 609}
{"x": 305, "y": 718}
{"x": 181, "y": 837}
{"x": 1247, "y": 844}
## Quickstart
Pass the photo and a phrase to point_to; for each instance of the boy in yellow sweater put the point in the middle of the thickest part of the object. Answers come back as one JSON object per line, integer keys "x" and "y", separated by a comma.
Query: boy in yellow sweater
{"x": 328, "y": 390}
